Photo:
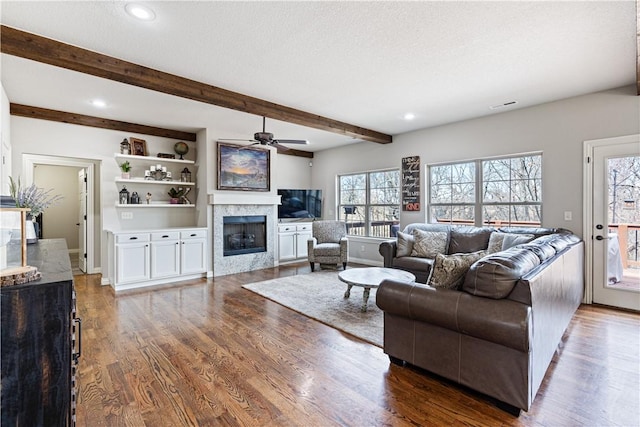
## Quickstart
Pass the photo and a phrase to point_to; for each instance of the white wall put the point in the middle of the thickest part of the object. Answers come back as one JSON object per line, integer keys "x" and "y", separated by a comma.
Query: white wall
{"x": 558, "y": 129}
{"x": 59, "y": 221}
{"x": 5, "y": 143}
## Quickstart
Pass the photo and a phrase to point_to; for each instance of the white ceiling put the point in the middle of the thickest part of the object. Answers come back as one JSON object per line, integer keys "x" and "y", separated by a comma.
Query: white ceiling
{"x": 364, "y": 63}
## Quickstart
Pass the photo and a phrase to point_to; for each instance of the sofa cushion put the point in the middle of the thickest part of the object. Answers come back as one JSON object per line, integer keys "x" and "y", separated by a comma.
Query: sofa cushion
{"x": 495, "y": 275}
{"x": 468, "y": 239}
{"x": 500, "y": 241}
{"x": 427, "y": 244}
{"x": 448, "y": 271}
{"x": 404, "y": 244}
{"x": 544, "y": 251}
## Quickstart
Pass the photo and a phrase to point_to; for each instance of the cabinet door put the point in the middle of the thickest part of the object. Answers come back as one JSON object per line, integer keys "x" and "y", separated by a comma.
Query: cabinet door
{"x": 132, "y": 262}
{"x": 286, "y": 246}
{"x": 165, "y": 259}
{"x": 194, "y": 256}
{"x": 301, "y": 243}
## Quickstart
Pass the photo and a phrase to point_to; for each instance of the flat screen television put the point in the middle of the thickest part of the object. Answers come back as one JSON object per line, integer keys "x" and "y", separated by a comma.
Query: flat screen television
{"x": 300, "y": 203}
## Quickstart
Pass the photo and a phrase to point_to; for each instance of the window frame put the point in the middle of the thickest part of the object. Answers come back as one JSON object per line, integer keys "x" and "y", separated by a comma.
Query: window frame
{"x": 368, "y": 205}
{"x": 479, "y": 204}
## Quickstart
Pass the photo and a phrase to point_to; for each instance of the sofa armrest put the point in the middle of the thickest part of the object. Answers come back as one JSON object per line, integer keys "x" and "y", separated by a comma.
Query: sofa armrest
{"x": 388, "y": 250}
{"x": 502, "y": 321}
{"x": 419, "y": 302}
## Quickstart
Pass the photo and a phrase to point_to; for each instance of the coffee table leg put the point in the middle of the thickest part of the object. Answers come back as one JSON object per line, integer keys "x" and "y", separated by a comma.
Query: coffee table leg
{"x": 347, "y": 293}
{"x": 365, "y": 299}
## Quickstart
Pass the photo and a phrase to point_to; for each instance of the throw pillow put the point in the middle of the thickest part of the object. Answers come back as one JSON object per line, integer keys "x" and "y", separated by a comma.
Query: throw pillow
{"x": 469, "y": 239}
{"x": 429, "y": 243}
{"x": 404, "y": 244}
{"x": 449, "y": 271}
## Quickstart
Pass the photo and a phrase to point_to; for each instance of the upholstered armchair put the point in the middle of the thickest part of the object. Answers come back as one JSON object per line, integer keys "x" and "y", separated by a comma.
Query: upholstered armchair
{"x": 329, "y": 244}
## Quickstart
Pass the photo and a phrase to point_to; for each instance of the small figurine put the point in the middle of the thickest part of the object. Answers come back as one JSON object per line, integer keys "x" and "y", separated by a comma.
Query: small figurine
{"x": 148, "y": 198}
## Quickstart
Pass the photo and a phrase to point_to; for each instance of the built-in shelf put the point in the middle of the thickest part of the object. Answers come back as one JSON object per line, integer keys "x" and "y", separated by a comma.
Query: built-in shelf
{"x": 155, "y": 205}
{"x": 152, "y": 159}
{"x": 153, "y": 181}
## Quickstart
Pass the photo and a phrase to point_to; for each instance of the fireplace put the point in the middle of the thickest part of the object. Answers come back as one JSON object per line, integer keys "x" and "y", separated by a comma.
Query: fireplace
{"x": 244, "y": 234}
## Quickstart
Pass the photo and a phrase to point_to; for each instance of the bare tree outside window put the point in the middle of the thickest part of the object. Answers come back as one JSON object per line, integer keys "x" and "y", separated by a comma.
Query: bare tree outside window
{"x": 624, "y": 209}
{"x": 369, "y": 202}
{"x": 497, "y": 192}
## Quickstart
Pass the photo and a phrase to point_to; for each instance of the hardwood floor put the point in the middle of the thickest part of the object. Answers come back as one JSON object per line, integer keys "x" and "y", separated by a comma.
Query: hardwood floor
{"x": 207, "y": 353}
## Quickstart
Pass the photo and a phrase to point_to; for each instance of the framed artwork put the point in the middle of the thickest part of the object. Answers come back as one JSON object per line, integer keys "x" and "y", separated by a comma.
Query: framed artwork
{"x": 138, "y": 147}
{"x": 242, "y": 167}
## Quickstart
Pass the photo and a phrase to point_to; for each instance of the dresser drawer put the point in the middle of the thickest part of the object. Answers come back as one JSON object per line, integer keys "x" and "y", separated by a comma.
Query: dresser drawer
{"x": 165, "y": 235}
{"x": 132, "y": 237}
{"x": 193, "y": 234}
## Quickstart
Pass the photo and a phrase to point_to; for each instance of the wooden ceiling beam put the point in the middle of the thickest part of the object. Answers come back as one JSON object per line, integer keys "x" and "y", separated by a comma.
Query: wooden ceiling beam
{"x": 97, "y": 122}
{"x": 41, "y": 49}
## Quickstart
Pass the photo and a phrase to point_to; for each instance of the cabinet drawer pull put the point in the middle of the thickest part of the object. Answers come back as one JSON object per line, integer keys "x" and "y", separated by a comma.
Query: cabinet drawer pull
{"x": 193, "y": 234}
{"x": 165, "y": 236}
{"x": 133, "y": 238}
{"x": 77, "y": 355}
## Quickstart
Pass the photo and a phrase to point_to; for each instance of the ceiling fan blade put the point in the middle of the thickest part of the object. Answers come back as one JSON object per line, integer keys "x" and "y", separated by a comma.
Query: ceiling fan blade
{"x": 237, "y": 139}
{"x": 291, "y": 141}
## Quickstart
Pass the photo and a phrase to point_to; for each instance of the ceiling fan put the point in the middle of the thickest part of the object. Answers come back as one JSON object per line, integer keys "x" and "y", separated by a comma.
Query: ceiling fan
{"x": 266, "y": 138}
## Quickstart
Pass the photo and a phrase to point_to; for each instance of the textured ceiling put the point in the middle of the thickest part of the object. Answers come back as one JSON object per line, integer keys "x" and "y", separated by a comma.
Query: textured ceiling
{"x": 364, "y": 63}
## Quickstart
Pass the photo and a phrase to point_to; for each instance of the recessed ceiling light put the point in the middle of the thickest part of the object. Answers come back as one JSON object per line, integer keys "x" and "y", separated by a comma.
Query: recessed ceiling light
{"x": 140, "y": 12}
{"x": 99, "y": 103}
{"x": 409, "y": 116}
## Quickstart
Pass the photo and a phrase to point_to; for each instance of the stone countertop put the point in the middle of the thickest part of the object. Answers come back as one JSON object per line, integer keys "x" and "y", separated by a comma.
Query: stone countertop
{"x": 49, "y": 256}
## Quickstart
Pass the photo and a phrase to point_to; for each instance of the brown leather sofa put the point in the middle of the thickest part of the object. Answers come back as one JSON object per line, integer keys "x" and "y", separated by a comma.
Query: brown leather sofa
{"x": 498, "y": 333}
{"x": 459, "y": 238}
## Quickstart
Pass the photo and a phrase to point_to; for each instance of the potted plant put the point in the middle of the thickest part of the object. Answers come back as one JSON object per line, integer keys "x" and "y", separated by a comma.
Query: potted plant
{"x": 125, "y": 167}
{"x": 175, "y": 195}
{"x": 35, "y": 198}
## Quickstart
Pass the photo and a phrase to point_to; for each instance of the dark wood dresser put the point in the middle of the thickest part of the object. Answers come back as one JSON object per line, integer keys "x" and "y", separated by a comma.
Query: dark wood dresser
{"x": 38, "y": 347}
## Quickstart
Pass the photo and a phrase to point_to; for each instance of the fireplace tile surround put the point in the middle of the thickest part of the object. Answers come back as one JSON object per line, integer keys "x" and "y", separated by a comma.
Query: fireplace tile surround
{"x": 225, "y": 205}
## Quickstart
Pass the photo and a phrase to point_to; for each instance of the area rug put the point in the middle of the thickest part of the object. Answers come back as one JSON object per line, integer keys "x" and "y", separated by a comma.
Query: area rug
{"x": 320, "y": 296}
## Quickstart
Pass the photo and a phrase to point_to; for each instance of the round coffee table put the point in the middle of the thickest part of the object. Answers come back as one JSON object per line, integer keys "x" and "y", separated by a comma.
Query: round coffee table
{"x": 371, "y": 277}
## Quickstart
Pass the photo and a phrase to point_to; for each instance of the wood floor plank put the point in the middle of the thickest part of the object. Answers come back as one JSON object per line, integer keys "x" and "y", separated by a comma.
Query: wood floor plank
{"x": 210, "y": 353}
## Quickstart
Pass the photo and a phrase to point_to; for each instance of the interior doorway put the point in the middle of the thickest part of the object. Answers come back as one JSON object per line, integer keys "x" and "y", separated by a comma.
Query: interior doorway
{"x": 71, "y": 221}
{"x": 612, "y": 225}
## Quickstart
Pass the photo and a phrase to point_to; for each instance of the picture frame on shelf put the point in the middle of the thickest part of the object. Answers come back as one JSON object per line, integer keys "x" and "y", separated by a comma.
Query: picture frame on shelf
{"x": 138, "y": 146}
{"x": 243, "y": 168}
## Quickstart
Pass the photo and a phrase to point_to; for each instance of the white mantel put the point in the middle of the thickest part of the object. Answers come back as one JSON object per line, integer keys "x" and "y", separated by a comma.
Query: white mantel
{"x": 243, "y": 199}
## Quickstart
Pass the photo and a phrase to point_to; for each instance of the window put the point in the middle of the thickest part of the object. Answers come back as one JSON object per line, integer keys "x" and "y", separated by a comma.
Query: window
{"x": 369, "y": 202}
{"x": 497, "y": 192}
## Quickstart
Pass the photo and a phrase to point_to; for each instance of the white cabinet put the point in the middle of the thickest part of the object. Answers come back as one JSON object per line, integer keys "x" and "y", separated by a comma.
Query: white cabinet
{"x": 292, "y": 240}
{"x": 132, "y": 257}
{"x": 144, "y": 258}
{"x": 165, "y": 254}
{"x": 193, "y": 251}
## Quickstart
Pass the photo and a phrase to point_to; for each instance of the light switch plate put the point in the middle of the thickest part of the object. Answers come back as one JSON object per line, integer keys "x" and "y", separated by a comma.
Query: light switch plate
{"x": 568, "y": 215}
